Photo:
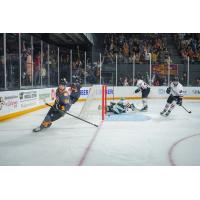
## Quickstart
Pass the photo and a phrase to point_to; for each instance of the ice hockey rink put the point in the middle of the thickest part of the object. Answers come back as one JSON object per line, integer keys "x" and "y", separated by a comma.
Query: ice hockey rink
{"x": 134, "y": 139}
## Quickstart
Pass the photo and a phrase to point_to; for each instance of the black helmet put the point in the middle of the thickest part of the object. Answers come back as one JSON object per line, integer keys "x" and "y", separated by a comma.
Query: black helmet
{"x": 73, "y": 85}
{"x": 175, "y": 79}
{"x": 63, "y": 82}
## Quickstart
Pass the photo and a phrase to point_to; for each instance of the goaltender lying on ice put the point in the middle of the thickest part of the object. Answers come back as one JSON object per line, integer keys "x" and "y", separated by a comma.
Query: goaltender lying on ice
{"x": 122, "y": 106}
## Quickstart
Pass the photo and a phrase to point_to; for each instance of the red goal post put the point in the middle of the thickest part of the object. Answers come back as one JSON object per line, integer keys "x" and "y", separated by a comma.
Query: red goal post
{"x": 94, "y": 108}
{"x": 104, "y": 101}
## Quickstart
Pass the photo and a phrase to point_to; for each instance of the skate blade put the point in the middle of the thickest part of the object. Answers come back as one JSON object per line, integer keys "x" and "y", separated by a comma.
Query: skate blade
{"x": 165, "y": 115}
{"x": 36, "y": 130}
{"x": 143, "y": 110}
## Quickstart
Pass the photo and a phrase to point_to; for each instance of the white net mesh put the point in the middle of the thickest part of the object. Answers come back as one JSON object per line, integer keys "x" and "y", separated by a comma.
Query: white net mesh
{"x": 92, "y": 109}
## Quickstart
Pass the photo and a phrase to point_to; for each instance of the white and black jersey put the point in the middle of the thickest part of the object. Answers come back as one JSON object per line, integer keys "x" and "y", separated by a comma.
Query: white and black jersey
{"x": 143, "y": 87}
{"x": 176, "y": 93}
{"x": 176, "y": 90}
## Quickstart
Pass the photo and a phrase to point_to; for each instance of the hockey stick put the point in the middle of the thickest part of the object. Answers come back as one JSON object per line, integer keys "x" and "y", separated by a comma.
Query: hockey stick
{"x": 72, "y": 115}
{"x": 188, "y": 111}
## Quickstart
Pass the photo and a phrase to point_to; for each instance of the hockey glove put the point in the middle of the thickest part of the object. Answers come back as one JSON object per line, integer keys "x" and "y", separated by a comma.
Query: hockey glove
{"x": 137, "y": 90}
{"x": 61, "y": 112}
{"x": 168, "y": 90}
{"x": 179, "y": 101}
{"x": 56, "y": 106}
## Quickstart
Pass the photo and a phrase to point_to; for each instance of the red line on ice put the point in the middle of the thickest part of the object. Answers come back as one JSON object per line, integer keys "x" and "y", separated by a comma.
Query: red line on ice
{"x": 170, "y": 152}
{"x": 89, "y": 146}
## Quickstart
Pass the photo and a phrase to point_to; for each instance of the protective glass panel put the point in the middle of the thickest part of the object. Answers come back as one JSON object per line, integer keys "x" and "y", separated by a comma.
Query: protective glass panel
{"x": 12, "y": 60}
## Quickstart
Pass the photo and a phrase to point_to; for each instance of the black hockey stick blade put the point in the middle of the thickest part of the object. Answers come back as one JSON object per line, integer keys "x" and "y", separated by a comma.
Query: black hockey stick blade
{"x": 188, "y": 111}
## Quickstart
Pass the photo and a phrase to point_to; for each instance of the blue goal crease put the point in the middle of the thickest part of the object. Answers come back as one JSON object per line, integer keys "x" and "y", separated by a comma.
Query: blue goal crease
{"x": 127, "y": 117}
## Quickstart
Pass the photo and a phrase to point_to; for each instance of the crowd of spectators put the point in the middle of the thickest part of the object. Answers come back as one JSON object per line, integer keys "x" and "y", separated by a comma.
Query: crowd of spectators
{"x": 129, "y": 47}
{"x": 188, "y": 45}
{"x": 156, "y": 80}
{"x": 92, "y": 72}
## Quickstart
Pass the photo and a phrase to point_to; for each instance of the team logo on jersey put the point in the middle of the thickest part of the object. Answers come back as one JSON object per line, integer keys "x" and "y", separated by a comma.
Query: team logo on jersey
{"x": 2, "y": 102}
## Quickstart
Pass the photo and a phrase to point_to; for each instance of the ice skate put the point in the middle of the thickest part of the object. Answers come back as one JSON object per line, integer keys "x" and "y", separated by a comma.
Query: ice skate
{"x": 144, "y": 109}
{"x": 163, "y": 112}
{"x": 167, "y": 113}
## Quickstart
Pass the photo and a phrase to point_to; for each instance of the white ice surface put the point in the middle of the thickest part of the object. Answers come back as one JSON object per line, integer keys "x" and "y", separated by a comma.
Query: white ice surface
{"x": 117, "y": 142}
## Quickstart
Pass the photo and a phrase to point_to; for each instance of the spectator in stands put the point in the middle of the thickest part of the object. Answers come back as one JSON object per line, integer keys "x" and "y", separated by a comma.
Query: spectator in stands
{"x": 125, "y": 52}
{"x": 198, "y": 81}
{"x": 120, "y": 82}
{"x": 126, "y": 82}
{"x": 127, "y": 45}
{"x": 189, "y": 46}
{"x": 2, "y": 72}
{"x": 120, "y": 57}
{"x": 27, "y": 56}
{"x": 44, "y": 70}
{"x": 37, "y": 68}
{"x": 137, "y": 58}
{"x": 154, "y": 56}
{"x": 183, "y": 79}
{"x": 130, "y": 82}
{"x": 53, "y": 70}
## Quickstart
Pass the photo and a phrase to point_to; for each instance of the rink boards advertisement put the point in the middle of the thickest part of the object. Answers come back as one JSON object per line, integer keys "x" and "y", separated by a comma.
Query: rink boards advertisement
{"x": 31, "y": 100}
{"x": 129, "y": 92}
{"x": 17, "y": 101}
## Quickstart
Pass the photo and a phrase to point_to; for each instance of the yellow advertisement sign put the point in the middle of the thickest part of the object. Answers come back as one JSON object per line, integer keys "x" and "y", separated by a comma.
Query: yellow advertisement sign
{"x": 162, "y": 69}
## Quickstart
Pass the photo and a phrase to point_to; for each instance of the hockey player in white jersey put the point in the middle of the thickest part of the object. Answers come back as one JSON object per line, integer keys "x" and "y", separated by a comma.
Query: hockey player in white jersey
{"x": 176, "y": 95}
{"x": 145, "y": 89}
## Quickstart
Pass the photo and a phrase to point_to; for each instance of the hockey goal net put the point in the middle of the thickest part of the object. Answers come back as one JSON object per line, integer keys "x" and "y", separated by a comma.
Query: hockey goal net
{"x": 94, "y": 109}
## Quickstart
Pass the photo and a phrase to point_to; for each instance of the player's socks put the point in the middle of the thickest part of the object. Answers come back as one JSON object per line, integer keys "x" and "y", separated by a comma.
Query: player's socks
{"x": 165, "y": 109}
{"x": 170, "y": 109}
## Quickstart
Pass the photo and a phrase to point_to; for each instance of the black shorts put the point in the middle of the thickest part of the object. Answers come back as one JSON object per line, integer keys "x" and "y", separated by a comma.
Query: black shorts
{"x": 145, "y": 93}
{"x": 172, "y": 98}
